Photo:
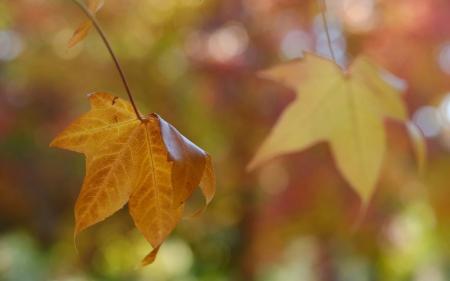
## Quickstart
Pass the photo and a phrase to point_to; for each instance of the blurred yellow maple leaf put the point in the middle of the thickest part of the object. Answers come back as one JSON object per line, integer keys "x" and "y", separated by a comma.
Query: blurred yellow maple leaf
{"x": 346, "y": 109}
{"x": 93, "y": 6}
{"x": 148, "y": 164}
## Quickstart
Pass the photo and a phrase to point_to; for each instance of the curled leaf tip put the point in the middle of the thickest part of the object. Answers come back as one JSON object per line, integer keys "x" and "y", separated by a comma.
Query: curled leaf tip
{"x": 151, "y": 257}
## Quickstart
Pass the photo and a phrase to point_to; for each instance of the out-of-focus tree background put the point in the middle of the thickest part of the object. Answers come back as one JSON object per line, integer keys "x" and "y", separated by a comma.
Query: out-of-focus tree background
{"x": 194, "y": 62}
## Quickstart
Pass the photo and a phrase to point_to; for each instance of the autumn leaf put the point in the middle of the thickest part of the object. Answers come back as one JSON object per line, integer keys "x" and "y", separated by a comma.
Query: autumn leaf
{"x": 148, "y": 165}
{"x": 187, "y": 174}
{"x": 83, "y": 29}
{"x": 346, "y": 109}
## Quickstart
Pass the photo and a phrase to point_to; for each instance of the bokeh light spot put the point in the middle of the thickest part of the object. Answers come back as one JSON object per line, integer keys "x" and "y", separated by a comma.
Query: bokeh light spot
{"x": 11, "y": 45}
{"x": 444, "y": 58}
{"x": 338, "y": 42}
{"x": 228, "y": 42}
{"x": 273, "y": 177}
{"x": 444, "y": 110}
{"x": 359, "y": 14}
{"x": 294, "y": 43}
{"x": 427, "y": 119}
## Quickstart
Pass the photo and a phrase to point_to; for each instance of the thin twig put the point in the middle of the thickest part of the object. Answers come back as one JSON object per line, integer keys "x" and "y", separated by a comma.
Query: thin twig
{"x": 323, "y": 9}
{"x": 111, "y": 52}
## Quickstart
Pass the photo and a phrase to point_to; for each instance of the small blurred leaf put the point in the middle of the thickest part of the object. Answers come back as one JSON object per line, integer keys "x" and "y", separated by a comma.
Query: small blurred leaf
{"x": 83, "y": 29}
{"x": 80, "y": 33}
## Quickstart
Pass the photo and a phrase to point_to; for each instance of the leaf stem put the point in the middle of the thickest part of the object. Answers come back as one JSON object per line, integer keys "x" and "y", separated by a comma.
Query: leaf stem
{"x": 323, "y": 9}
{"x": 111, "y": 52}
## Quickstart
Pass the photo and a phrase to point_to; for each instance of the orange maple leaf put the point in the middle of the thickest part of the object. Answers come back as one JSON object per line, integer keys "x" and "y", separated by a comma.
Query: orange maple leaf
{"x": 147, "y": 164}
